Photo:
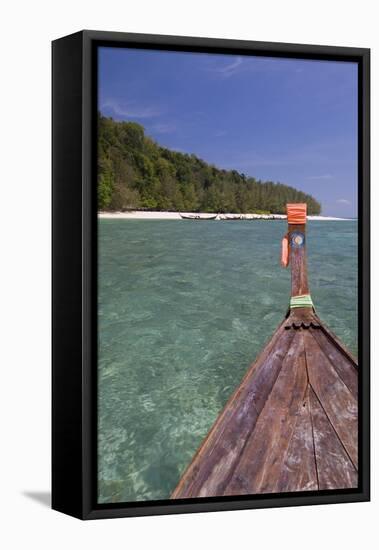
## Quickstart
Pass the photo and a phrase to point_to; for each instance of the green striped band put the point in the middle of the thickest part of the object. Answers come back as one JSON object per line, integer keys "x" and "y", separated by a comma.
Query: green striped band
{"x": 304, "y": 300}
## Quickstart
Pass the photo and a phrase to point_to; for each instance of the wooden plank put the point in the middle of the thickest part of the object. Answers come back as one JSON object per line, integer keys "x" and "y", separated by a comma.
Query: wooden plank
{"x": 298, "y": 263}
{"x": 336, "y": 399}
{"x": 299, "y": 466}
{"x": 213, "y": 464}
{"x": 342, "y": 364}
{"x": 335, "y": 340}
{"x": 334, "y": 467}
{"x": 260, "y": 466}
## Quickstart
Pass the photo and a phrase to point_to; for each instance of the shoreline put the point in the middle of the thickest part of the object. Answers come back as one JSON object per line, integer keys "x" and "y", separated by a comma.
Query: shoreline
{"x": 139, "y": 215}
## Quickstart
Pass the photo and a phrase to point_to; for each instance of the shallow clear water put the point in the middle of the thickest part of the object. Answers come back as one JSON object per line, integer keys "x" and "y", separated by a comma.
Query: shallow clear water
{"x": 184, "y": 308}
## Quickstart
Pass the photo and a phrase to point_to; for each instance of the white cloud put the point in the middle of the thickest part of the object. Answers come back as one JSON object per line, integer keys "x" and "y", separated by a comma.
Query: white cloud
{"x": 343, "y": 201}
{"x": 230, "y": 69}
{"x": 251, "y": 64}
{"x": 130, "y": 109}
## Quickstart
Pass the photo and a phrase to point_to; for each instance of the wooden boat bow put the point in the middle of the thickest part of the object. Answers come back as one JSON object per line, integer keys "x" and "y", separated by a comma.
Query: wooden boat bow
{"x": 292, "y": 423}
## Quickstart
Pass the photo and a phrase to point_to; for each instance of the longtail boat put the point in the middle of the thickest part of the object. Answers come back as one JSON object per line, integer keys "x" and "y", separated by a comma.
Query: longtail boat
{"x": 197, "y": 217}
{"x": 291, "y": 424}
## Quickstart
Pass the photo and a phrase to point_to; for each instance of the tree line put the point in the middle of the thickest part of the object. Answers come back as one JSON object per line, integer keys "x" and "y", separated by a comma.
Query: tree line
{"x": 135, "y": 172}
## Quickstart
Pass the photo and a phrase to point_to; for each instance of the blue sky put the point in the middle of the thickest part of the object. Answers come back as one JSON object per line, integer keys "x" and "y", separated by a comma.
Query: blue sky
{"x": 285, "y": 120}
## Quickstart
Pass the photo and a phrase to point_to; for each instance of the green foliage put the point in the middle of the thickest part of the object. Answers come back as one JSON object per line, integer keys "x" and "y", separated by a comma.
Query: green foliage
{"x": 134, "y": 172}
{"x": 105, "y": 190}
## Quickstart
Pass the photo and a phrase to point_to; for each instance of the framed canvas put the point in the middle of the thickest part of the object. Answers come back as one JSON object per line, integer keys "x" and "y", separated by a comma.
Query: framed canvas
{"x": 191, "y": 371}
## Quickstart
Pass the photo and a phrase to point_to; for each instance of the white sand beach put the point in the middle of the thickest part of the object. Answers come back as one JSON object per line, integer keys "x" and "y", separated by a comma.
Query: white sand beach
{"x": 139, "y": 215}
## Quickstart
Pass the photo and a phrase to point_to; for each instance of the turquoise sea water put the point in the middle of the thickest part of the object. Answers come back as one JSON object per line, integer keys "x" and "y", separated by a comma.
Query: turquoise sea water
{"x": 184, "y": 308}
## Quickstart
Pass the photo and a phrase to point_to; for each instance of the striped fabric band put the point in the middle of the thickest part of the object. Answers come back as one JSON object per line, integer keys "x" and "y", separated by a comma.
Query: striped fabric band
{"x": 304, "y": 300}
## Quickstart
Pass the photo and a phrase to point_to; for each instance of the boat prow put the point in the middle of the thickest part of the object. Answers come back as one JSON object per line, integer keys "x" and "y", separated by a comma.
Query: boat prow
{"x": 292, "y": 423}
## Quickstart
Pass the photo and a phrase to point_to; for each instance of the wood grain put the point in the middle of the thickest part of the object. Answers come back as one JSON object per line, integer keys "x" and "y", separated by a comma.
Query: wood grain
{"x": 298, "y": 263}
{"x": 336, "y": 399}
{"x": 334, "y": 467}
{"x": 342, "y": 364}
{"x": 299, "y": 466}
{"x": 337, "y": 342}
{"x": 261, "y": 462}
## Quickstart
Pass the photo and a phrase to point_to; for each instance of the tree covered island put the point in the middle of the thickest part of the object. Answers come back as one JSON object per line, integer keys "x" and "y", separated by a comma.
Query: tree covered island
{"x": 135, "y": 172}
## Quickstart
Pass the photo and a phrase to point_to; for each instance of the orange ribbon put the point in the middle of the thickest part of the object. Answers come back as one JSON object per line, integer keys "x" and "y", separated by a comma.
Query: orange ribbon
{"x": 297, "y": 213}
{"x": 285, "y": 251}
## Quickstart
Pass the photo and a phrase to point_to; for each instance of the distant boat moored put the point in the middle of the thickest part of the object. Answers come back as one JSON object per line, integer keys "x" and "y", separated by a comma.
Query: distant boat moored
{"x": 197, "y": 216}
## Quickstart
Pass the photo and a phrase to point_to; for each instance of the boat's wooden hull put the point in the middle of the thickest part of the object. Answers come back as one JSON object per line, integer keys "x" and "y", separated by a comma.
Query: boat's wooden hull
{"x": 291, "y": 425}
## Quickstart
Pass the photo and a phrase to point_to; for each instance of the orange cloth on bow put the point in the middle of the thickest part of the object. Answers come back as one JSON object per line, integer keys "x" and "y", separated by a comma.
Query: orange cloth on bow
{"x": 297, "y": 213}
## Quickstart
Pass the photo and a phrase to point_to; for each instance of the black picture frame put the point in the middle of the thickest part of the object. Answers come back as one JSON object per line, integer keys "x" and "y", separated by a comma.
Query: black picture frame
{"x": 74, "y": 273}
